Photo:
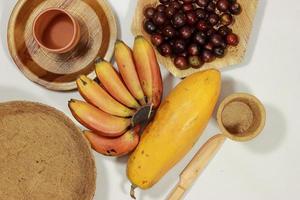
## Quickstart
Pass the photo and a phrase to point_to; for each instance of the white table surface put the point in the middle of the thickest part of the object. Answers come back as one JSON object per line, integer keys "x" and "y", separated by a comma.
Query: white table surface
{"x": 265, "y": 168}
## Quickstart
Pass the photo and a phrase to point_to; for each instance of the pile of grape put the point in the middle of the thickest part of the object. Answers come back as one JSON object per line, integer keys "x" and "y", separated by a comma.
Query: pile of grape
{"x": 192, "y": 32}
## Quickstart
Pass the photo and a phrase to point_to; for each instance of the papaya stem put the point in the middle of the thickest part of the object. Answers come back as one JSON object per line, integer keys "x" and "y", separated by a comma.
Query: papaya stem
{"x": 132, "y": 191}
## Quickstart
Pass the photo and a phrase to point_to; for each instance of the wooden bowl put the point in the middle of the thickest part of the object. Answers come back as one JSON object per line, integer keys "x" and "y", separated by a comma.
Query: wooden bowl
{"x": 59, "y": 71}
{"x": 235, "y": 55}
{"x": 241, "y": 117}
{"x": 43, "y": 155}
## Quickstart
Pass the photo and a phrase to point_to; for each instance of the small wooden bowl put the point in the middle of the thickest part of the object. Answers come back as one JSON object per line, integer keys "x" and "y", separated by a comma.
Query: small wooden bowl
{"x": 242, "y": 27}
{"x": 43, "y": 155}
{"x": 241, "y": 117}
{"x": 98, "y": 32}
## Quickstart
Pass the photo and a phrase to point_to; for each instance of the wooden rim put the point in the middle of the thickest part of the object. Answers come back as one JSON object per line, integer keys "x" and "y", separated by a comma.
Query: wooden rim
{"x": 70, "y": 83}
{"x": 255, "y": 105}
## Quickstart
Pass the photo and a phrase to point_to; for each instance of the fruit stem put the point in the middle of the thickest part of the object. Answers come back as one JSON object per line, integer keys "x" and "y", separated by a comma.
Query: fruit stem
{"x": 143, "y": 101}
{"x": 139, "y": 37}
{"x": 83, "y": 81}
{"x": 150, "y": 112}
{"x": 72, "y": 101}
{"x": 132, "y": 191}
{"x": 98, "y": 60}
{"x": 119, "y": 41}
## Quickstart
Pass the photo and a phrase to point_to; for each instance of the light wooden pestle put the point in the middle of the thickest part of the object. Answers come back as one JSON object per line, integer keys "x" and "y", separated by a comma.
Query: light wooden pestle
{"x": 196, "y": 166}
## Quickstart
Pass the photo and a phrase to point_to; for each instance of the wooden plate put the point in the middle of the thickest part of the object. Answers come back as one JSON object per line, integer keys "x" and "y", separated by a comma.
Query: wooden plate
{"x": 59, "y": 72}
{"x": 43, "y": 155}
{"x": 235, "y": 55}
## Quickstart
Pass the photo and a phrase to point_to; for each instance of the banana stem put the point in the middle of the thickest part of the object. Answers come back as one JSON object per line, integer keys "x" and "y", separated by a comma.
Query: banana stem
{"x": 142, "y": 101}
{"x": 98, "y": 60}
{"x": 132, "y": 193}
{"x": 150, "y": 112}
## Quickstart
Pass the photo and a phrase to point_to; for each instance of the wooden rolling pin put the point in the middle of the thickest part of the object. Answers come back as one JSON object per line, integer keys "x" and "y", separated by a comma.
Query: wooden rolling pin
{"x": 196, "y": 166}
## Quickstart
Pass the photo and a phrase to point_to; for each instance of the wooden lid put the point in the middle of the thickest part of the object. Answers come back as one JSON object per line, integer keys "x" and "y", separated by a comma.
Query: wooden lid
{"x": 43, "y": 155}
{"x": 98, "y": 32}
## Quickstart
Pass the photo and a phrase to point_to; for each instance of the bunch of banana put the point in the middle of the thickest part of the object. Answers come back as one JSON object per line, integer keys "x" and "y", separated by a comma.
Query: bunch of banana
{"x": 111, "y": 105}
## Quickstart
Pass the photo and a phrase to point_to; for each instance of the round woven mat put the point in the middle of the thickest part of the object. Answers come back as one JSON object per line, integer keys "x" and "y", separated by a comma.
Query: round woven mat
{"x": 43, "y": 155}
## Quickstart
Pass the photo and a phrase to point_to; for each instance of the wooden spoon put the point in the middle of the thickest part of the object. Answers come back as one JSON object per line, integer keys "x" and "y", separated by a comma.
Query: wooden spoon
{"x": 241, "y": 117}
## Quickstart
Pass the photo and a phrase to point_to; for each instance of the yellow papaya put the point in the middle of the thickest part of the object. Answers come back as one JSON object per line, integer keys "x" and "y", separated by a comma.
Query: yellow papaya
{"x": 178, "y": 124}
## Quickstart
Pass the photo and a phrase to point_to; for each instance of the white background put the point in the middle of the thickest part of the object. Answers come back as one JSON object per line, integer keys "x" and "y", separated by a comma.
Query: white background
{"x": 265, "y": 168}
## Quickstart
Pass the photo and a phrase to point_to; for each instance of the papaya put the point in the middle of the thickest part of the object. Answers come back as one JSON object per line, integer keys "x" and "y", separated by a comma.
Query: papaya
{"x": 178, "y": 124}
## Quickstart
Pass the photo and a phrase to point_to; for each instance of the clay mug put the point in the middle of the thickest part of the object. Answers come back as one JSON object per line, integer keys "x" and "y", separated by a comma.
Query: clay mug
{"x": 56, "y": 30}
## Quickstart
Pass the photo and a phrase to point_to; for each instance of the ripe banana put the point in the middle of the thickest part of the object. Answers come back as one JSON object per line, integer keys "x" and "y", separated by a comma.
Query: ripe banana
{"x": 148, "y": 70}
{"x": 114, "y": 146}
{"x": 113, "y": 84}
{"x": 126, "y": 65}
{"x": 96, "y": 95}
{"x": 91, "y": 117}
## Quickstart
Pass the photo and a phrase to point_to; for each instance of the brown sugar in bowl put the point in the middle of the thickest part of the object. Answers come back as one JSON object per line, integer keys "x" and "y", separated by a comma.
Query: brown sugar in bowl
{"x": 43, "y": 155}
{"x": 241, "y": 117}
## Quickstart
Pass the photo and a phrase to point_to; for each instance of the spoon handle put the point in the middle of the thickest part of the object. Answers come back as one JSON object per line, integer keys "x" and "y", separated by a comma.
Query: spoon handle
{"x": 196, "y": 166}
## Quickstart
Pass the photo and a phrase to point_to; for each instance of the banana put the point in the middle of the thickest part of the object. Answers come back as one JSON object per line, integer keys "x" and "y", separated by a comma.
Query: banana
{"x": 91, "y": 117}
{"x": 113, "y": 84}
{"x": 96, "y": 95}
{"x": 126, "y": 65}
{"x": 148, "y": 70}
{"x": 119, "y": 146}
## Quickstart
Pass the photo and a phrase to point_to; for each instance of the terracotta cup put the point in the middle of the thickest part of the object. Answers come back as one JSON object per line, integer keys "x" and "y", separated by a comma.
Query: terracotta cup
{"x": 56, "y": 30}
